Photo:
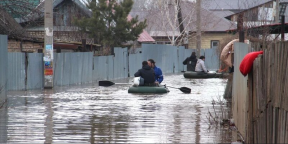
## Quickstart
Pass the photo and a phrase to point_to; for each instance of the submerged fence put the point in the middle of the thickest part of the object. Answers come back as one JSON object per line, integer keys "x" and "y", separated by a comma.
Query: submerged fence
{"x": 25, "y": 71}
{"x": 262, "y": 116}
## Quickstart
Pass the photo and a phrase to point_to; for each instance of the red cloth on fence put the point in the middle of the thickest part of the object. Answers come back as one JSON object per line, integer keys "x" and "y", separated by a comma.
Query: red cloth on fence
{"x": 247, "y": 62}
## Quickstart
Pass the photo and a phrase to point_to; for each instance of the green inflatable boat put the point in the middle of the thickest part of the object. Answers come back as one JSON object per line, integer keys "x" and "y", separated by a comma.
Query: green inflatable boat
{"x": 200, "y": 75}
{"x": 148, "y": 89}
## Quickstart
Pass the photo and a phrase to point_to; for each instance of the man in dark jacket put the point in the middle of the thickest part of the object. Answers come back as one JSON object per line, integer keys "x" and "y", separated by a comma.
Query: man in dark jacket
{"x": 147, "y": 73}
{"x": 191, "y": 62}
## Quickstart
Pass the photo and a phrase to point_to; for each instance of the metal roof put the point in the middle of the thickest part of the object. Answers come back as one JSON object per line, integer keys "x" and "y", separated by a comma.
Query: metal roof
{"x": 158, "y": 25}
{"x": 231, "y": 4}
{"x": 40, "y": 7}
{"x": 145, "y": 37}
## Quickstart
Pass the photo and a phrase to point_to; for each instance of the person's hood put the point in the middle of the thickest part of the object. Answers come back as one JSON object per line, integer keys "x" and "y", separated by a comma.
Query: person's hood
{"x": 192, "y": 57}
{"x": 146, "y": 67}
{"x": 200, "y": 60}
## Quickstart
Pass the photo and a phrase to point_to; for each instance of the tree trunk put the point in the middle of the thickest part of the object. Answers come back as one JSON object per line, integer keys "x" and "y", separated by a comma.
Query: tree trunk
{"x": 180, "y": 20}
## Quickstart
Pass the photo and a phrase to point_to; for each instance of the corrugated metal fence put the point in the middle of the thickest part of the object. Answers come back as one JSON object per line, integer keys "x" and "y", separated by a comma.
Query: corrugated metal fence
{"x": 3, "y": 84}
{"x": 239, "y": 88}
{"x": 26, "y": 70}
{"x": 3, "y": 67}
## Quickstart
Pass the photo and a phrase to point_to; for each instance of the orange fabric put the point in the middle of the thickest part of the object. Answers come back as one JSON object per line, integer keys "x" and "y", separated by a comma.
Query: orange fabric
{"x": 223, "y": 70}
{"x": 247, "y": 62}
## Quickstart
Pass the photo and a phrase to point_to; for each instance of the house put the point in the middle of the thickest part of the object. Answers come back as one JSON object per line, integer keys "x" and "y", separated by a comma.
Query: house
{"x": 264, "y": 13}
{"x": 163, "y": 27}
{"x": 64, "y": 14}
{"x": 26, "y": 33}
{"x": 66, "y": 34}
{"x": 18, "y": 38}
{"x": 258, "y": 20}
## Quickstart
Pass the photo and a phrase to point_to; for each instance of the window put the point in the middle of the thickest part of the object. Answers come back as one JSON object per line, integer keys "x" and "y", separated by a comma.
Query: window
{"x": 214, "y": 43}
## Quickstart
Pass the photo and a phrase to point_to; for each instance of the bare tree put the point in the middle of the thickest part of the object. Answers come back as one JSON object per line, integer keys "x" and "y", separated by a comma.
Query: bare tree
{"x": 175, "y": 19}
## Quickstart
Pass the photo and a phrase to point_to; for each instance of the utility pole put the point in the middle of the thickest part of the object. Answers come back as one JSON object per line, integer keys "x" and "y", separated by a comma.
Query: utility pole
{"x": 198, "y": 33}
{"x": 48, "y": 44}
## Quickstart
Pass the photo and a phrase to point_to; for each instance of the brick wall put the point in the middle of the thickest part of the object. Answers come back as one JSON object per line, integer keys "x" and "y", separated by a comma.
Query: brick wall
{"x": 14, "y": 46}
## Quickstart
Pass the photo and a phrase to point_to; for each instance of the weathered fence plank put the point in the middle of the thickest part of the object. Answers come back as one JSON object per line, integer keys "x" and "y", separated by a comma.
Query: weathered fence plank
{"x": 286, "y": 129}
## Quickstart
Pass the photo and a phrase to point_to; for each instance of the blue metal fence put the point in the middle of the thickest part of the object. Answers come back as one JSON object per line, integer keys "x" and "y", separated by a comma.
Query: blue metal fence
{"x": 35, "y": 72}
{"x": 16, "y": 71}
{"x": 3, "y": 88}
{"x": 135, "y": 63}
{"x": 211, "y": 59}
{"x": 3, "y": 68}
{"x": 77, "y": 68}
{"x": 120, "y": 63}
{"x": 72, "y": 68}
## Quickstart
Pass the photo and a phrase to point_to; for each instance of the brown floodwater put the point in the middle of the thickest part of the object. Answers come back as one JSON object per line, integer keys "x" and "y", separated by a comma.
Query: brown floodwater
{"x": 93, "y": 114}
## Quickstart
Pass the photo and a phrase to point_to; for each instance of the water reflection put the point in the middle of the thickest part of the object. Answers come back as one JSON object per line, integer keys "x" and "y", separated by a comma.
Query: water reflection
{"x": 48, "y": 102}
{"x": 93, "y": 114}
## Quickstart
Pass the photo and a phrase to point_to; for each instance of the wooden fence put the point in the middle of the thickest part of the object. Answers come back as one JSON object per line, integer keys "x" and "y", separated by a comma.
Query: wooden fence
{"x": 266, "y": 118}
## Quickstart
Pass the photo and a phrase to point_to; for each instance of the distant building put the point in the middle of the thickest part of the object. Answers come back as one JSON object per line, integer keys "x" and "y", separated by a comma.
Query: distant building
{"x": 264, "y": 13}
{"x": 64, "y": 13}
{"x": 213, "y": 27}
{"x": 262, "y": 20}
{"x": 66, "y": 34}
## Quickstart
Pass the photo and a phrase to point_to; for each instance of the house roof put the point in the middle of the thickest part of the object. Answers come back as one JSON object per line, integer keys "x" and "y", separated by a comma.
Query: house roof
{"x": 223, "y": 13}
{"x": 40, "y": 10}
{"x": 8, "y": 26}
{"x": 159, "y": 25}
{"x": 145, "y": 37}
{"x": 232, "y": 5}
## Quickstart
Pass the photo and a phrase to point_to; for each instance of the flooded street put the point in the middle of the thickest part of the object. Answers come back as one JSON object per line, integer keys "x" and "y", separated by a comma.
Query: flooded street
{"x": 93, "y": 114}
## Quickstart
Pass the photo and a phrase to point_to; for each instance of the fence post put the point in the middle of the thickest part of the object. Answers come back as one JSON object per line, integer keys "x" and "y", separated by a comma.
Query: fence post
{"x": 250, "y": 126}
{"x": 283, "y": 28}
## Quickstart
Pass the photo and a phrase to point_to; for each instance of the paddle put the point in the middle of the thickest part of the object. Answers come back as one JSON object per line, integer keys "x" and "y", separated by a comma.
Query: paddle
{"x": 183, "y": 89}
{"x": 109, "y": 83}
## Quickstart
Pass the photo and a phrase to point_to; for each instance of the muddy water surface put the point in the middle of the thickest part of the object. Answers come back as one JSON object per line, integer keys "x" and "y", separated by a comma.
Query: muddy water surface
{"x": 94, "y": 114}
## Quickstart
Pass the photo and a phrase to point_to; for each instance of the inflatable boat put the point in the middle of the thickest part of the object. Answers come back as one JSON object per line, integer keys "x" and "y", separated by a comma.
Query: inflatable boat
{"x": 201, "y": 75}
{"x": 148, "y": 89}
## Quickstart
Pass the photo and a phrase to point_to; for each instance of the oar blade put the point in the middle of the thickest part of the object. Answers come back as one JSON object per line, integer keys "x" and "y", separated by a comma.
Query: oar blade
{"x": 106, "y": 83}
{"x": 185, "y": 90}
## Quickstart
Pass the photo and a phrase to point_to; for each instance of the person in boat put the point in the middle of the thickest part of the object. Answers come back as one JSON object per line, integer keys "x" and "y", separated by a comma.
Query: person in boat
{"x": 190, "y": 62}
{"x": 200, "y": 65}
{"x": 146, "y": 73}
{"x": 158, "y": 72}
